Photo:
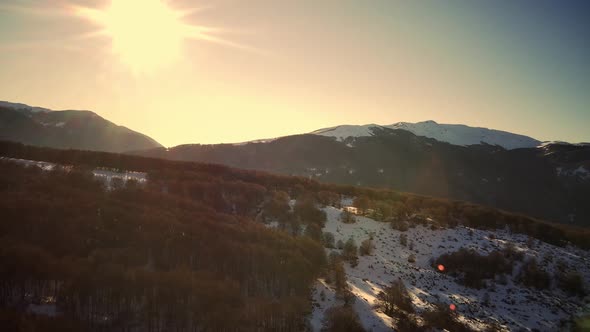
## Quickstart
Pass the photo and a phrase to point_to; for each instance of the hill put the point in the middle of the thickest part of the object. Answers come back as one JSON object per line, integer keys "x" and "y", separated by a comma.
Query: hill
{"x": 110, "y": 242}
{"x": 67, "y": 130}
{"x": 550, "y": 182}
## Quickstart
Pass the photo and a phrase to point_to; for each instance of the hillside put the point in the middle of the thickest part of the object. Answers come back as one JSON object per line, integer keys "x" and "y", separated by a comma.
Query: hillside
{"x": 67, "y": 130}
{"x": 549, "y": 182}
{"x": 506, "y": 301}
{"x": 109, "y": 242}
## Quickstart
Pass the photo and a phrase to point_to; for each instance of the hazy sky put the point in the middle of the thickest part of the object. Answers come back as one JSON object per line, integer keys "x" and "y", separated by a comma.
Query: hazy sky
{"x": 278, "y": 67}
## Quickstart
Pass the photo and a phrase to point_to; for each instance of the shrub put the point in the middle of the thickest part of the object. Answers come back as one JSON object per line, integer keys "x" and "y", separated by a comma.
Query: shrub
{"x": 572, "y": 283}
{"x": 473, "y": 268}
{"x": 328, "y": 239}
{"x": 531, "y": 275}
{"x": 511, "y": 253}
{"x": 347, "y": 218}
{"x": 350, "y": 252}
{"x": 441, "y": 317}
{"x": 366, "y": 248}
{"x": 407, "y": 323}
{"x": 395, "y": 297}
{"x": 403, "y": 239}
{"x": 400, "y": 225}
{"x": 341, "y": 319}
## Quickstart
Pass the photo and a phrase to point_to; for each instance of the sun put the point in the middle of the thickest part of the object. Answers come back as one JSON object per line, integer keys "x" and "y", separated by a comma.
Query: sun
{"x": 146, "y": 34}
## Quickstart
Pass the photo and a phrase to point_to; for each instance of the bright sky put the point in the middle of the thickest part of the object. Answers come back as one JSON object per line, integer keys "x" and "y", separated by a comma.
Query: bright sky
{"x": 212, "y": 71}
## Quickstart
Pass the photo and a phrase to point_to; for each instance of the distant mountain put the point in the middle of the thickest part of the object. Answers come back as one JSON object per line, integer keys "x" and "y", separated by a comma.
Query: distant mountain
{"x": 82, "y": 130}
{"x": 450, "y": 133}
{"x": 551, "y": 181}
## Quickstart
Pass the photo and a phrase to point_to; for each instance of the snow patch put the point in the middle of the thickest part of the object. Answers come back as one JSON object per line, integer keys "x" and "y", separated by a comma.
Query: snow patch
{"x": 580, "y": 172}
{"x": 343, "y": 132}
{"x": 105, "y": 174}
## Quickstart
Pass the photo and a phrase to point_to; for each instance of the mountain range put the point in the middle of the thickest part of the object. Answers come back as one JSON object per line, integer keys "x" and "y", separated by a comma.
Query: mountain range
{"x": 136, "y": 241}
{"x": 549, "y": 180}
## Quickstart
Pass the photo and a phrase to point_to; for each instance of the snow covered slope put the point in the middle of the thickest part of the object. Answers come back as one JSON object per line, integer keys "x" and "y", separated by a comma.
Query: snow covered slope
{"x": 451, "y": 133}
{"x": 345, "y": 131}
{"x": 511, "y": 305}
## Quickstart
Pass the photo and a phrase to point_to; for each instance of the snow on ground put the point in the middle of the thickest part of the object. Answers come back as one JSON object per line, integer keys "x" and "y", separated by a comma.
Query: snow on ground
{"x": 580, "y": 172}
{"x": 511, "y": 305}
{"x": 324, "y": 297}
{"x": 465, "y": 135}
{"x": 105, "y": 174}
{"x": 345, "y": 131}
{"x": 451, "y": 133}
{"x": 548, "y": 143}
{"x": 28, "y": 163}
{"x": 108, "y": 175}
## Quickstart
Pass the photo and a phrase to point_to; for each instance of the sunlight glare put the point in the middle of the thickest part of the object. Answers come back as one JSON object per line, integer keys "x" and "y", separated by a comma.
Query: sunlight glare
{"x": 146, "y": 34}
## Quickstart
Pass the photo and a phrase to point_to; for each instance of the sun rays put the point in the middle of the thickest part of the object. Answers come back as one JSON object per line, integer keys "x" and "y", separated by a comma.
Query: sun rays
{"x": 149, "y": 34}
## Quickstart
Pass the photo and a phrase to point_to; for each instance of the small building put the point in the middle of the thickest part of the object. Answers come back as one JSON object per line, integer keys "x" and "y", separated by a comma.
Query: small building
{"x": 351, "y": 209}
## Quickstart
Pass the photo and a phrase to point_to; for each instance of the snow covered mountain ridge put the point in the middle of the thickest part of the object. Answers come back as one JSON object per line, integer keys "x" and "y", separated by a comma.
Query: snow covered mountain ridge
{"x": 451, "y": 133}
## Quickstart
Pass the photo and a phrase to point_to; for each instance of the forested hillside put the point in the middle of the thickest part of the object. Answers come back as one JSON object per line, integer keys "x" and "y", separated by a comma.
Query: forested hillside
{"x": 551, "y": 183}
{"x": 186, "y": 250}
{"x": 140, "y": 259}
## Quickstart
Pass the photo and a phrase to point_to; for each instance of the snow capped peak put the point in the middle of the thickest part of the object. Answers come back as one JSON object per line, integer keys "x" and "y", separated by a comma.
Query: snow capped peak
{"x": 345, "y": 131}
{"x": 464, "y": 135}
{"x": 451, "y": 133}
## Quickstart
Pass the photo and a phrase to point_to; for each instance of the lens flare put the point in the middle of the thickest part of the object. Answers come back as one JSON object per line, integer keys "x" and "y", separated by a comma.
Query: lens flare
{"x": 148, "y": 34}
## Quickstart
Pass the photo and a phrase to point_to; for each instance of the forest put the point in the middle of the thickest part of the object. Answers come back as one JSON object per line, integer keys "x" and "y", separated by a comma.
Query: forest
{"x": 139, "y": 259}
{"x": 187, "y": 251}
